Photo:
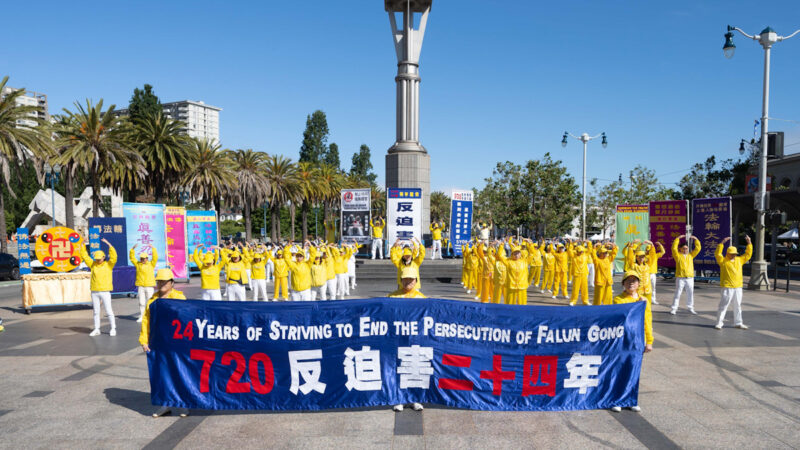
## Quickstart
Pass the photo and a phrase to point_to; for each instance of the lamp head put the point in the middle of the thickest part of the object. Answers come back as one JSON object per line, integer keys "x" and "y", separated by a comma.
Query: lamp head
{"x": 729, "y": 48}
{"x": 741, "y": 147}
{"x": 604, "y": 141}
{"x": 564, "y": 140}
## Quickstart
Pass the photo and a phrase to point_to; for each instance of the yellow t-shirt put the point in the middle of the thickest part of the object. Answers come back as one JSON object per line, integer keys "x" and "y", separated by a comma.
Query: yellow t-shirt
{"x": 144, "y": 333}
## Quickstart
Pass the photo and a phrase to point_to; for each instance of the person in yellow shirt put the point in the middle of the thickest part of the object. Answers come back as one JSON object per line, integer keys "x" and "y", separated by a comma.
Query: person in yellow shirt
{"x": 409, "y": 257}
{"x": 579, "y": 273}
{"x": 560, "y": 279}
{"x": 101, "y": 284}
{"x": 165, "y": 284}
{"x": 549, "y": 267}
{"x": 341, "y": 255}
{"x": 330, "y": 272}
{"x": 258, "y": 271}
{"x": 483, "y": 231}
{"x": 730, "y": 281}
{"x": 235, "y": 276}
{"x": 319, "y": 275}
{"x": 436, "y": 236}
{"x": 630, "y": 294}
{"x": 642, "y": 267}
{"x": 516, "y": 273}
{"x": 535, "y": 263}
{"x": 281, "y": 287}
{"x": 300, "y": 269}
{"x": 408, "y": 283}
{"x": 629, "y": 254}
{"x": 210, "y": 265}
{"x": 377, "y": 236}
{"x": 486, "y": 262}
{"x": 464, "y": 249}
{"x": 145, "y": 276}
{"x": 684, "y": 272}
{"x": 470, "y": 267}
{"x": 652, "y": 258}
{"x": 603, "y": 258}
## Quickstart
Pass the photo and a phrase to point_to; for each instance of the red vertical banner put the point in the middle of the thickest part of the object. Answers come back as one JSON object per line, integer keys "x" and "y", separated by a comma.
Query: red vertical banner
{"x": 668, "y": 220}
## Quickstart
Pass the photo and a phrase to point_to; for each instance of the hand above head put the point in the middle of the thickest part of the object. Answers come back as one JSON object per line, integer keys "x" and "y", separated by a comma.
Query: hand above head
{"x": 747, "y": 238}
{"x": 725, "y": 240}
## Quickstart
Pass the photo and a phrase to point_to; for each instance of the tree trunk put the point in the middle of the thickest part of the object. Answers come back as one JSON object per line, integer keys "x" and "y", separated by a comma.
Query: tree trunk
{"x": 3, "y": 231}
{"x": 95, "y": 194}
{"x": 304, "y": 214}
{"x": 291, "y": 218}
{"x": 247, "y": 222}
{"x": 276, "y": 223}
{"x": 217, "y": 207}
{"x": 69, "y": 215}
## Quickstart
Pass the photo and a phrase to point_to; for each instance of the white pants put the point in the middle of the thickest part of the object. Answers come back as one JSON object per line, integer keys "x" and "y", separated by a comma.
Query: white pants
{"x": 653, "y": 285}
{"x": 270, "y": 268}
{"x": 330, "y": 287}
{"x": 236, "y": 292}
{"x": 729, "y": 294}
{"x": 318, "y": 292}
{"x": 437, "y": 247}
{"x": 259, "y": 286}
{"x": 352, "y": 278}
{"x": 145, "y": 293}
{"x": 377, "y": 245}
{"x": 342, "y": 286}
{"x": 104, "y": 297}
{"x": 591, "y": 275}
{"x": 680, "y": 285}
{"x": 250, "y": 278}
{"x": 300, "y": 296}
{"x": 211, "y": 294}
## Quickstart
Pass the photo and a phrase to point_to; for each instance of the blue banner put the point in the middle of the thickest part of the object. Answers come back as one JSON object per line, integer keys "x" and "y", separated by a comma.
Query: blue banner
{"x": 23, "y": 251}
{"x": 711, "y": 223}
{"x": 382, "y": 351}
{"x": 460, "y": 220}
{"x": 201, "y": 228}
{"x": 146, "y": 227}
{"x": 113, "y": 230}
{"x": 94, "y": 241}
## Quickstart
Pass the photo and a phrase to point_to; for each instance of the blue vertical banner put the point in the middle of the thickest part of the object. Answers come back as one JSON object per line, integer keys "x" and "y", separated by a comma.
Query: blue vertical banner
{"x": 23, "y": 251}
{"x": 146, "y": 227}
{"x": 711, "y": 223}
{"x": 94, "y": 240}
{"x": 460, "y": 219}
{"x": 201, "y": 228}
{"x": 113, "y": 230}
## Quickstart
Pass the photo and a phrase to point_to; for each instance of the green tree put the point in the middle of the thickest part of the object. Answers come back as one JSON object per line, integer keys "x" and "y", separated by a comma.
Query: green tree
{"x": 144, "y": 103}
{"x": 22, "y": 137}
{"x": 332, "y": 156}
{"x": 315, "y": 138}
{"x": 212, "y": 175}
{"x": 440, "y": 207}
{"x": 282, "y": 179}
{"x": 95, "y": 141}
{"x": 166, "y": 150}
{"x": 709, "y": 179}
{"x": 16, "y": 208}
{"x": 362, "y": 165}
{"x": 645, "y": 187}
{"x": 253, "y": 185}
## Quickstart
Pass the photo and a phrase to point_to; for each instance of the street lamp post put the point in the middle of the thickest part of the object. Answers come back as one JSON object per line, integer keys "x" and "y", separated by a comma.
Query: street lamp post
{"x": 585, "y": 138}
{"x": 758, "y": 272}
{"x": 51, "y": 176}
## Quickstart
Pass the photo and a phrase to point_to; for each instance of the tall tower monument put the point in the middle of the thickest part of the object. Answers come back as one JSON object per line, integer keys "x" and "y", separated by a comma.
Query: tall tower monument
{"x": 408, "y": 164}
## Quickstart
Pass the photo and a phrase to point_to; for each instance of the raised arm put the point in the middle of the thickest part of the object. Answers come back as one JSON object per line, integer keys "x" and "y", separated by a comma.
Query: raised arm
{"x": 697, "y": 248}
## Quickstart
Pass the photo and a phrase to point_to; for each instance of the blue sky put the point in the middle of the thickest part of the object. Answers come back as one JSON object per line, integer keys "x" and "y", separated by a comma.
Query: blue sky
{"x": 501, "y": 80}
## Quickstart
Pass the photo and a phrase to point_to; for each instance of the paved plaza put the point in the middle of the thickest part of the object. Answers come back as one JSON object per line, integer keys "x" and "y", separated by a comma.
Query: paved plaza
{"x": 700, "y": 388}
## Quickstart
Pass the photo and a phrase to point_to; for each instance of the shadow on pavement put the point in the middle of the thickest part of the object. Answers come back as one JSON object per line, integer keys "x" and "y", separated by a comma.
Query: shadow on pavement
{"x": 134, "y": 400}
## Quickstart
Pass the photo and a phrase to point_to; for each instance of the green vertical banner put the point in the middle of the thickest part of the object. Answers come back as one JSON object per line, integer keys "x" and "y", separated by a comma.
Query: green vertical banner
{"x": 633, "y": 222}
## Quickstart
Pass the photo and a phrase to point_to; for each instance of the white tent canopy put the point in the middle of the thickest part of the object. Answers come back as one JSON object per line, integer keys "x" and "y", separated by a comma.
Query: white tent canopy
{"x": 791, "y": 234}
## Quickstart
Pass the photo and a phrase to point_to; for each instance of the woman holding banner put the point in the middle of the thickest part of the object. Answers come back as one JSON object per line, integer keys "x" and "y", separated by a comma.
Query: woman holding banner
{"x": 630, "y": 283}
{"x": 101, "y": 284}
{"x": 145, "y": 276}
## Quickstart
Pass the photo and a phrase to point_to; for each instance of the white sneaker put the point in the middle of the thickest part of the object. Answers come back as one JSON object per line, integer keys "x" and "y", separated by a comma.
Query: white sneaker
{"x": 636, "y": 408}
{"x": 673, "y": 311}
{"x": 139, "y": 320}
{"x": 468, "y": 291}
{"x": 94, "y": 333}
{"x": 113, "y": 332}
{"x": 718, "y": 326}
{"x": 741, "y": 326}
{"x": 417, "y": 406}
{"x": 477, "y": 297}
{"x": 554, "y": 296}
{"x": 655, "y": 302}
{"x": 692, "y": 311}
{"x": 616, "y": 409}
{"x": 397, "y": 408}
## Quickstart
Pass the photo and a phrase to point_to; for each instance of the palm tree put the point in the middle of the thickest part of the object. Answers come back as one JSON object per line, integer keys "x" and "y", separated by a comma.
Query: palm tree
{"x": 440, "y": 206}
{"x": 166, "y": 150}
{"x": 95, "y": 141}
{"x": 212, "y": 175}
{"x": 253, "y": 186}
{"x": 331, "y": 177}
{"x": 21, "y": 138}
{"x": 310, "y": 189}
{"x": 378, "y": 201}
{"x": 282, "y": 178}
{"x": 68, "y": 170}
